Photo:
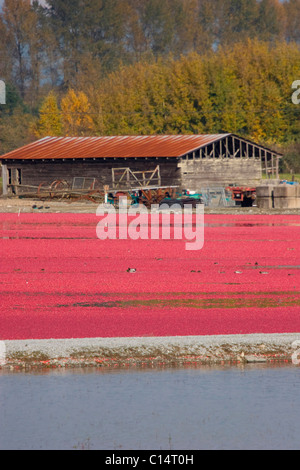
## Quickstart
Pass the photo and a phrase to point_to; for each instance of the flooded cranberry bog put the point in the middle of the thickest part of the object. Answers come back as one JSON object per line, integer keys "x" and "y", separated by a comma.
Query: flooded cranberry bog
{"x": 68, "y": 297}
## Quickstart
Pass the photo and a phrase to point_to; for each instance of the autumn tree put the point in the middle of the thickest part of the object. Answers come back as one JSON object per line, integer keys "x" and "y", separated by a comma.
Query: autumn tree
{"x": 292, "y": 15}
{"x": 50, "y": 119}
{"x": 23, "y": 44}
{"x": 271, "y": 20}
{"x": 237, "y": 20}
{"x": 244, "y": 89}
{"x": 15, "y": 131}
{"x": 151, "y": 66}
{"x": 92, "y": 30}
{"x": 191, "y": 30}
{"x": 6, "y": 66}
{"x": 76, "y": 114}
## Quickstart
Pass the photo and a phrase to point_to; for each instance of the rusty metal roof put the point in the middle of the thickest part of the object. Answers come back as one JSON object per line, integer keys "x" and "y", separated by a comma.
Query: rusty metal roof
{"x": 58, "y": 148}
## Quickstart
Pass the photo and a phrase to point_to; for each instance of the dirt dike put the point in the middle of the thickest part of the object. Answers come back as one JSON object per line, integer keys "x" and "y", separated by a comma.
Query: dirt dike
{"x": 153, "y": 352}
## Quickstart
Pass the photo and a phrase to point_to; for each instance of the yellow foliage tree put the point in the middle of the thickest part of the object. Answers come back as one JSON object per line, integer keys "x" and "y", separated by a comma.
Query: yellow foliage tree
{"x": 49, "y": 123}
{"x": 76, "y": 114}
{"x": 244, "y": 89}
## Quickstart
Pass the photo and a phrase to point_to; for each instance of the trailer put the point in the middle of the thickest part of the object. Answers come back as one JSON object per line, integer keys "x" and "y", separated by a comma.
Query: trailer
{"x": 243, "y": 196}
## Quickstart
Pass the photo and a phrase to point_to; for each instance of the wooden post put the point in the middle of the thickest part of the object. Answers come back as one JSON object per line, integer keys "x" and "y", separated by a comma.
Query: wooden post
{"x": 113, "y": 178}
{"x": 4, "y": 180}
{"x": 106, "y": 189}
{"x": 266, "y": 164}
{"x": 231, "y": 140}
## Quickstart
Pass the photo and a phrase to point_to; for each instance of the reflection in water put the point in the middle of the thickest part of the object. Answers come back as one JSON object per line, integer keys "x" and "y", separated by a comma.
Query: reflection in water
{"x": 253, "y": 407}
{"x": 19, "y": 230}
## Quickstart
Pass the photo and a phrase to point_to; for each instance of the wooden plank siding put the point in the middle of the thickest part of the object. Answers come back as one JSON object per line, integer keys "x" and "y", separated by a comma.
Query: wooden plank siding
{"x": 185, "y": 173}
{"x": 229, "y": 161}
{"x": 205, "y": 173}
{"x": 34, "y": 173}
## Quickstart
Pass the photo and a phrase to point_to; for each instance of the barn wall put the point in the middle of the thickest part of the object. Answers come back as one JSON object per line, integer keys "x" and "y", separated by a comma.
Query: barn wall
{"x": 36, "y": 172}
{"x": 200, "y": 173}
{"x": 192, "y": 174}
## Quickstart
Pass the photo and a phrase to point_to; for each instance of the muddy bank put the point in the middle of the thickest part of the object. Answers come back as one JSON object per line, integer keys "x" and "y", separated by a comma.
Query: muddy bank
{"x": 18, "y": 205}
{"x": 139, "y": 352}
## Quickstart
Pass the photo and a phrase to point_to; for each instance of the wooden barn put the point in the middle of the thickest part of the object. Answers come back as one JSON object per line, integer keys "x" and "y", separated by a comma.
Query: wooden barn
{"x": 188, "y": 161}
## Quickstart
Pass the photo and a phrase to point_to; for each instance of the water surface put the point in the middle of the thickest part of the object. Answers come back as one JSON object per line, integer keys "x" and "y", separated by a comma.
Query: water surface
{"x": 255, "y": 407}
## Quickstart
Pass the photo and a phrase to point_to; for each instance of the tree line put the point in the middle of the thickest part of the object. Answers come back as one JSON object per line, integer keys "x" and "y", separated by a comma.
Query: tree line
{"x": 97, "y": 67}
{"x": 68, "y": 41}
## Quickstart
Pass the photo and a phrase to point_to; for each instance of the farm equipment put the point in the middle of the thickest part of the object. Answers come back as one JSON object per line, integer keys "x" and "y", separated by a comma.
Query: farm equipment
{"x": 61, "y": 189}
{"x": 185, "y": 198}
{"x": 142, "y": 195}
{"x": 87, "y": 190}
{"x": 243, "y": 196}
